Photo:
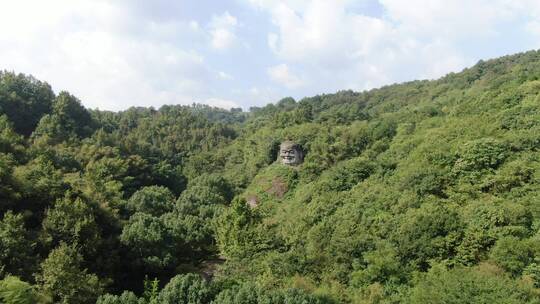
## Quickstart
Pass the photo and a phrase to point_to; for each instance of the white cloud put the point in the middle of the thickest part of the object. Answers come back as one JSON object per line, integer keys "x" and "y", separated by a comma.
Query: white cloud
{"x": 102, "y": 53}
{"x": 222, "y": 31}
{"x": 337, "y": 47}
{"x": 222, "y": 103}
{"x": 273, "y": 41}
{"x": 224, "y": 20}
{"x": 254, "y": 91}
{"x": 282, "y": 75}
{"x": 257, "y": 96}
{"x": 534, "y": 27}
{"x": 222, "y": 39}
{"x": 458, "y": 19}
{"x": 194, "y": 25}
{"x": 225, "y": 76}
{"x": 260, "y": 96}
{"x": 298, "y": 5}
{"x": 114, "y": 54}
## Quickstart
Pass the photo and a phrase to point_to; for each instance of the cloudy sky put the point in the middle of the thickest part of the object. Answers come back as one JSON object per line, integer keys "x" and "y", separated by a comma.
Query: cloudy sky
{"x": 241, "y": 53}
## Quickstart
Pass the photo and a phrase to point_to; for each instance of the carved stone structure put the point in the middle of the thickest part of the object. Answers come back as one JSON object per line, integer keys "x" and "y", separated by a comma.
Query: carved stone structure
{"x": 290, "y": 153}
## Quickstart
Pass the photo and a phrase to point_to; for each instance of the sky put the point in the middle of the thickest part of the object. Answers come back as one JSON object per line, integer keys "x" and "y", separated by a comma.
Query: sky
{"x": 114, "y": 54}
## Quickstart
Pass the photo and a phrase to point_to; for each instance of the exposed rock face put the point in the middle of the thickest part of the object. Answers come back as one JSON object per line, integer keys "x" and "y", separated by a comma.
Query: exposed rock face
{"x": 290, "y": 153}
{"x": 252, "y": 201}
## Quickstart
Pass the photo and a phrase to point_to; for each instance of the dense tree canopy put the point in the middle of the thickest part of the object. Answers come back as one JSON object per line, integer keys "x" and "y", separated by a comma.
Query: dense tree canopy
{"x": 421, "y": 192}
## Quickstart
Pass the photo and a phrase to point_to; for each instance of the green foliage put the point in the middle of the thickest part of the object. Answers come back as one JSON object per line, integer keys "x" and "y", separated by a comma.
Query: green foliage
{"x": 8, "y": 192}
{"x": 484, "y": 284}
{"x": 71, "y": 221}
{"x": 68, "y": 120}
{"x": 382, "y": 265}
{"x": 428, "y": 233}
{"x": 10, "y": 141}
{"x": 513, "y": 254}
{"x": 153, "y": 200}
{"x": 73, "y": 116}
{"x": 149, "y": 241}
{"x": 126, "y": 297}
{"x": 16, "y": 248}
{"x": 188, "y": 289}
{"x": 410, "y": 193}
{"x": 191, "y": 221}
{"x": 344, "y": 176}
{"x": 24, "y": 100}
{"x": 151, "y": 290}
{"x": 244, "y": 294}
{"x": 480, "y": 155}
{"x": 39, "y": 183}
{"x": 487, "y": 222}
{"x": 236, "y": 233}
{"x": 15, "y": 291}
{"x": 250, "y": 294}
{"x": 533, "y": 272}
{"x": 63, "y": 278}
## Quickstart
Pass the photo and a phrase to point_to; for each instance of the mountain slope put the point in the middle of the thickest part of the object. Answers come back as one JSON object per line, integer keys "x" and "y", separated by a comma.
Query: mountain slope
{"x": 397, "y": 180}
{"x": 422, "y": 192}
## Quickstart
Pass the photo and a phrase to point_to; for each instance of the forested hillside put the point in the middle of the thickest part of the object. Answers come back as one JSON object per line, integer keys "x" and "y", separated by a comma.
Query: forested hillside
{"x": 422, "y": 192}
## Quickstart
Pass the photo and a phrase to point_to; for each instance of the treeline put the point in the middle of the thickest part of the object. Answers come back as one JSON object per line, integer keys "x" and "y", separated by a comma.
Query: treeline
{"x": 423, "y": 192}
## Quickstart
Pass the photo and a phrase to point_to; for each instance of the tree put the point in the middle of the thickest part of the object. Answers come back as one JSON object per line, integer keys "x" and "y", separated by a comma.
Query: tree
{"x": 153, "y": 200}
{"x": 293, "y": 295}
{"x": 430, "y": 232}
{"x": 24, "y": 100}
{"x": 8, "y": 191}
{"x": 483, "y": 284}
{"x": 192, "y": 220}
{"x": 68, "y": 120}
{"x": 234, "y": 230}
{"x": 244, "y": 294}
{"x": 395, "y": 182}
{"x": 125, "y": 298}
{"x": 486, "y": 223}
{"x": 16, "y": 248}
{"x": 10, "y": 141}
{"x": 248, "y": 293}
{"x": 382, "y": 265}
{"x": 480, "y": 155}
{"x": 40, "y": 183}
{"x": 73, "y": 116}
{"x": 513, "y": 254}
{"x": 50, "y": 131}
{"x": 149, "y": 241}
{"x": 15, "y": 291}
{"x": 187, "y": 289}
{"x": 72, "y": 221}
{"x": 65, "y": 280}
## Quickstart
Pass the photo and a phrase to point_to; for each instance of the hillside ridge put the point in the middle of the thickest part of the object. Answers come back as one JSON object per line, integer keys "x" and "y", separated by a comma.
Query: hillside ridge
{"x": 420, "y": 192}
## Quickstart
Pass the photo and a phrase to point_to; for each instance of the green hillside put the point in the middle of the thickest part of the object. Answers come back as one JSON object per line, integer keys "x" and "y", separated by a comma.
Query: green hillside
{"x": 422, "y": 192}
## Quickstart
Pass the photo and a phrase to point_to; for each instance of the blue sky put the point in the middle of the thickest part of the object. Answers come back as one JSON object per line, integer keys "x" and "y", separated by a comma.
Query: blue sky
{"x": 242, "y": 53}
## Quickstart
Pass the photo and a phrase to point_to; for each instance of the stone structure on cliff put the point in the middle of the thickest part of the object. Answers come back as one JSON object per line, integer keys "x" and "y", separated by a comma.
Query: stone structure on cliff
{"x": 290, "y": 153}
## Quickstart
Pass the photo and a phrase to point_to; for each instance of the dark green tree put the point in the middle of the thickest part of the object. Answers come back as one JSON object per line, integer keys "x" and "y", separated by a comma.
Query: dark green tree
{"x": 480, "y": 285}
{"x": 125, "y": 298}
{"x": 150, "y": 242}
{"x": 72, "y": 221}
{"x": 188, "y": 289}
{"x": 153, "y": 200}
{"x": 15, "y": 291}
{"x": 16, "y": 247}
{"x": 65, "y": 280}
{"x": 24, "y": 100}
